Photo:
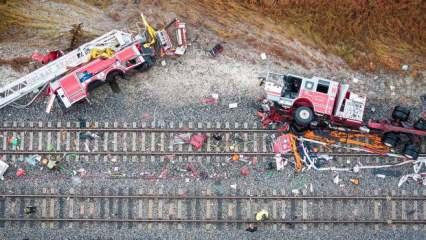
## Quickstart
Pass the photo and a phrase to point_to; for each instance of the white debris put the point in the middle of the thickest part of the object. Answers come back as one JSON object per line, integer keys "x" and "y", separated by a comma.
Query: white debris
{"x": 180, "y": 51}
{"x": 215, "y": 96}
{"x": 233, "y": 186}
{"x": 355, "y": 80}
{"x": 3, "y": 167}
{"x": 336, "y": 180}
{"x": 279, "y": 162}
{"x": 405, "y": 67}
{"x": 295, "y": 191}
{"x": 263, "y": 56}
{"x": 381, "y": 176}
{"x": 233, "y": 105}
{"x": 163, "y": 63}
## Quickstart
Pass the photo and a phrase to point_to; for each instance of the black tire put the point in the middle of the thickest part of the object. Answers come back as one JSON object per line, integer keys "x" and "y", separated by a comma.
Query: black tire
{"x": 420, "y": 124}
{"x": 400, "y": 114}
{"x": 111, "y": 79}
{"x": 303, "y": 116}
{"x": 391, "y": 139}
{"x": 411, "y": 151}
{"x": 94, "y": 85}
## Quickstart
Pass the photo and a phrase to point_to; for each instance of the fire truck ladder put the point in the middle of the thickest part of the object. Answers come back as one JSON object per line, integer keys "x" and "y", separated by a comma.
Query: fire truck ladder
{"x": 35, "y": 81}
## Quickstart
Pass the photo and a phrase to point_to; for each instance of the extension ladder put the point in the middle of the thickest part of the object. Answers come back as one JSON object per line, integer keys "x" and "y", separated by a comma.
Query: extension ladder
{"x": 36, "y": 80}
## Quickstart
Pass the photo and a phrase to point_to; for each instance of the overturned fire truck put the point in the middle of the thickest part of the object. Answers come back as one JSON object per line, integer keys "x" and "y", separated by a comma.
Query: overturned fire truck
{"x": 319, "y": 103}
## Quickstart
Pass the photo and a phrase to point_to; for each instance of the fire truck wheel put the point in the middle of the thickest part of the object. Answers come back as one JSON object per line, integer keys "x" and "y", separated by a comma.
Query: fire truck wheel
{"x": 411, "y": 151}
{"x": 420, "y": 124}
{"x": 391, "y": 139}
{"x": 400, "y": 113}
{"x": 303, "y": 116}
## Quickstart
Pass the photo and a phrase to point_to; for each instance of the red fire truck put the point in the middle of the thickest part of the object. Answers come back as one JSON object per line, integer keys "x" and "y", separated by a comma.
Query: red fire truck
{"x": 75, "y": 85}
{"x": 309, "y": 103}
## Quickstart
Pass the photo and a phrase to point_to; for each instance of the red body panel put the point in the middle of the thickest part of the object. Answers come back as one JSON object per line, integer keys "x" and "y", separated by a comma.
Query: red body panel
{"x": 72, "y": 88}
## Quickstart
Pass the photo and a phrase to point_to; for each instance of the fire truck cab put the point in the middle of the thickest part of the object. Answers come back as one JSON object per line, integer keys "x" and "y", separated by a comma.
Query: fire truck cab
{"x": 74, "y": 86}
{"x": 308, "y": 98}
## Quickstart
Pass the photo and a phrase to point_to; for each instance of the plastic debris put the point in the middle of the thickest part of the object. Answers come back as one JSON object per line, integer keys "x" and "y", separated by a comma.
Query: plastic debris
{"x": 405, "y": 67}
{"x": 52, "y": 164}
{"x": 233, "y": 105}
{"x": 263, "y": 56}
{"x": 20, "y": 172}
{"x": 163, "y": 63}
{"x": 295, "y": 191}
{"x": 33, "y": 159}
{"x": 182, "y": 138}
{"x": 213, "y": 99}
{"x": 381, "y": 176}
{"x": 44, "y": 59}
{"x": 280, "y": 163}
{"x": 355, "y": 181}
{"x": 233, "y": 186}
{"x": 82, "y": 172}
{"x": 245, "y": 171}
{"x": 198, "y": 140}
{"x": 15, "y": 142}
{"x": 387, "y": 172}
{"x": 420, "y": 178}
{"x": 3, "y": 168}
{"x": 336, "y": 179}
{"x": 218, "y": 48}
{"x": 235, "y": 157}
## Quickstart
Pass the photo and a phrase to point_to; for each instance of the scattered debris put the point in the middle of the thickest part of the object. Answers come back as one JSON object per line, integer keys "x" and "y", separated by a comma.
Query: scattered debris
{"x": 336, "y": 180}
{"x": 233, "y": 186}
{"x": 30, "y": 209}
{"x": 295, "y": 191}
{"x": 44, "y": 59}
{"x": 262, "y": 215}
{"x": 163, "y": 63}
{"x": 235, "y": 157}
{"x": 3, "y": 168}
{"x": 20, "y": 172}
{"x": 420, "y": 178}
{"x": 233, "y": 105}
{"x": 213, "y": 99}
{"x": 33, "y": 159}
{"x": 245, "y": 171}
{"x": 82, "y": 172}
{"x": 198, "y": 140}
{"x": 405, "y": 67}
{"x": 263, "y": 56}
{"x": 355, "y": 181}
{"x": 218, "y": 48}
{"x": 182, "y": 138}
{"x": 381, "y": 176}
{"x": 387, "y": 172}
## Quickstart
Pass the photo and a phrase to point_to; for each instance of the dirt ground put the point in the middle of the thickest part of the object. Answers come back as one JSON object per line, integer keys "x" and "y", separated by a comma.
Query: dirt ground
{"x": 189, "y": 79}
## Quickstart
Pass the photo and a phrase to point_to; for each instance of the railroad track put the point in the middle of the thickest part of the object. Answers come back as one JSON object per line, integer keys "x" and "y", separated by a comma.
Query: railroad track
{"x": 186, "y": 208}
{"x": 147, "y": 142}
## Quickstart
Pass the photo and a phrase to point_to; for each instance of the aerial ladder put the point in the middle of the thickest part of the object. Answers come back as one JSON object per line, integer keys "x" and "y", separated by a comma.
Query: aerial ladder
{"x": 38, "y": 79}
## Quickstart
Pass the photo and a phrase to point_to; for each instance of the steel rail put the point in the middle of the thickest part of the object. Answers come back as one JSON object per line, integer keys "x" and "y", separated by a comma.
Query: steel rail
{"x": 172, "y": 130}
{"x": 159, "y": 153}
{"x": 224, "y": 221}
{"x": 194, "y": 197}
